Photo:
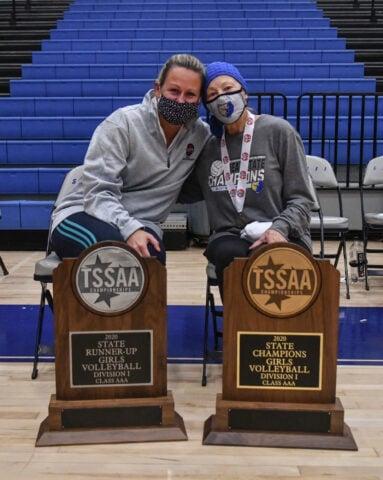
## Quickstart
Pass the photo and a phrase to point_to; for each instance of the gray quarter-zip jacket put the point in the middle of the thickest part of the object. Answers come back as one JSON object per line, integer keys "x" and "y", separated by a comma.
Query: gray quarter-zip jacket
{"x": 131, "y": 178}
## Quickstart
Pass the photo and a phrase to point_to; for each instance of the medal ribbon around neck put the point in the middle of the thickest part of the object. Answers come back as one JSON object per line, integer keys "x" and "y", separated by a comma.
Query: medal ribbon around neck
{"x": 238, "y": 193}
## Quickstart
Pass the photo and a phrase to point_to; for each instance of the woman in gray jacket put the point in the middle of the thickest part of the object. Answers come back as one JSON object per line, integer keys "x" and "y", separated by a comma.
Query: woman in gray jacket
{"x": 136, "y": 163}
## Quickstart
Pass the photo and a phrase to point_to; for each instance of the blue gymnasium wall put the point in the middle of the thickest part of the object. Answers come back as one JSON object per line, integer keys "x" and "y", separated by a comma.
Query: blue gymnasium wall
{"x": 104, "y": 55}
{"x": 360, "y": 336}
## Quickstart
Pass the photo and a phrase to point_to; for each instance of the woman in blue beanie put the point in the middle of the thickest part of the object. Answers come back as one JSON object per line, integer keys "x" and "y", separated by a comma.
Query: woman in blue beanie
{"x": 252, "y": 174}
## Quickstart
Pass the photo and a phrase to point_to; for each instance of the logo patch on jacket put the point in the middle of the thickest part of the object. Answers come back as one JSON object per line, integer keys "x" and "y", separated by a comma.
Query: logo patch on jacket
{"x": 189, "y": 151}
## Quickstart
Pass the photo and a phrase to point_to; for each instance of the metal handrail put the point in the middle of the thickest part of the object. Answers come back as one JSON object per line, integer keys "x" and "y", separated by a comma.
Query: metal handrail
{"x": 13, "y": 19}
{"x": 347, "y": 138}
{"x": 373, "y": 16}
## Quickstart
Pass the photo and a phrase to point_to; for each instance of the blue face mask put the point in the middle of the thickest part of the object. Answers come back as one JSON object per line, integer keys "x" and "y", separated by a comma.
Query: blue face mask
{"x": 175, "y": 112}
{"x": 228, "y": 107}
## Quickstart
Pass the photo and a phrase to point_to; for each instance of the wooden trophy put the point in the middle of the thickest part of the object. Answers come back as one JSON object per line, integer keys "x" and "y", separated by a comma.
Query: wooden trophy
{"x": 280, "y": 340}
{"x": 111, "y": 351}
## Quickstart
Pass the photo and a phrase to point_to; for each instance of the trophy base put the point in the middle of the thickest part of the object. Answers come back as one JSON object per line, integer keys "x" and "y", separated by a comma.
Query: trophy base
{"x": 263, "y": 424}
{"x": 80, "y": 422}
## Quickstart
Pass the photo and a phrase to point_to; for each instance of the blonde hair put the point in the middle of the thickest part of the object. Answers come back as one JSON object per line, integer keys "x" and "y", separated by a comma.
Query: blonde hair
{"x": 183, "y": 60}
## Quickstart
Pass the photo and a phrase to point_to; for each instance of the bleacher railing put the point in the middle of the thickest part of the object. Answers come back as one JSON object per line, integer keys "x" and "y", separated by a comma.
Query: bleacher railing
{"x": 373, "y": 16}
{"x": 346, "y": 128}
{"x": 13, "y": 19}
{"x": 272, "y": 103}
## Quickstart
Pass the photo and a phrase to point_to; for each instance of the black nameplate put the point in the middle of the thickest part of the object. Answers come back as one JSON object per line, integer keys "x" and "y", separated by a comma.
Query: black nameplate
{"x": 279, "y": 361}
{"x": 116, "y": 358}
{"x": 274, "y": 420}
{"x": 111, "y": 417}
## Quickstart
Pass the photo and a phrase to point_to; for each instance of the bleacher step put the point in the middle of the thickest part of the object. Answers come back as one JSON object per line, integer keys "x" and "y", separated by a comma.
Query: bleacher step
{"x": 379, "y": 84}
{"x": 19, "y": 57}
{"x": 27, "y": 25}
{"x": 35, "y": 9}
{"x": 350, "y": 21}
{"x": 365, "y": 43}
{"x": 374, "y": 68}
{"x": 351, "y": 5}
{"x": 4, "y": 86}
{"x": 27, "y": 17}
{"x": 16, "y": 35}
{"x": 20, "y": 45}
{"x": 11, "y": 70}
{"x": 366, "y": 33}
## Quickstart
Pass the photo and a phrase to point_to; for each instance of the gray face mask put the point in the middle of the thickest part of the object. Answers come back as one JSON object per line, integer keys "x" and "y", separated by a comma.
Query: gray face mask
{"x": 175, "y": 112}
{"x": 228, "y": 107}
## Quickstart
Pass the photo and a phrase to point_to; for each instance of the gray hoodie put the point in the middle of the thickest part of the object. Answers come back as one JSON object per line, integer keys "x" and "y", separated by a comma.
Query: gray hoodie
{"x": 277, "y": 189}
{"x": 131, "y": 178}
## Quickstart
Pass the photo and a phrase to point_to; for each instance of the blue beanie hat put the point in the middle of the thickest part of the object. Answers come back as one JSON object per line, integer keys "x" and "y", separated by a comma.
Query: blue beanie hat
{"x": 216, "y": 69}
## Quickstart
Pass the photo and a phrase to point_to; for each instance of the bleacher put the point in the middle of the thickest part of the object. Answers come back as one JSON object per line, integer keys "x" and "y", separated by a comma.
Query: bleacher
{"x": 104, "y": 55}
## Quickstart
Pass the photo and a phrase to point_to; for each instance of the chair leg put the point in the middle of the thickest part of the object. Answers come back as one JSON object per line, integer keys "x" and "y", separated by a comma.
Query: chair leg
{"x": 338, "y": 252}
{"x": 343, "y": 247}
{"x": 46, "y": 297}
{"x": 210, "y": 309}
{"x": 345, "y": 260}
{"x": 366, "y": 283}
{"x": 214, "y": 316}
{"x": 205, "y": 336}
{"x": 365, "y": 241}
{"x": 3, "y": 267}
{"x": 39, "y": 332}
{"x": 49, "y": 298}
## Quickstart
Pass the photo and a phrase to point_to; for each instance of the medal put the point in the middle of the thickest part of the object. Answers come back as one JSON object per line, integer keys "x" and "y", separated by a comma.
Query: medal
{"x": 237, "y": 191}
{"x": 241, "y": 220}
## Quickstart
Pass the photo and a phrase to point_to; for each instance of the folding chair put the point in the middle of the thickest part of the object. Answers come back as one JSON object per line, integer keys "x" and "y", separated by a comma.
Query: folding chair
{"x": 211, "y": 309}
{"x": 329, "y": 226}
{"x": 44, "y": 268}
{"x": 2, "y": 264}
{"x": 372, "y": 222}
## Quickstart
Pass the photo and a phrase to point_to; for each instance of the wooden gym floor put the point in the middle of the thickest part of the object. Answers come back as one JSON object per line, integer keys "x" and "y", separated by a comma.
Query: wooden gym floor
{"x": 24, "y": 405}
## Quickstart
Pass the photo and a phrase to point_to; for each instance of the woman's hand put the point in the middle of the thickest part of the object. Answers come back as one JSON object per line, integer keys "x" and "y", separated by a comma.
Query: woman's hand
{"x": 269, "y": 236}
{"x": 139, "y": 241}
